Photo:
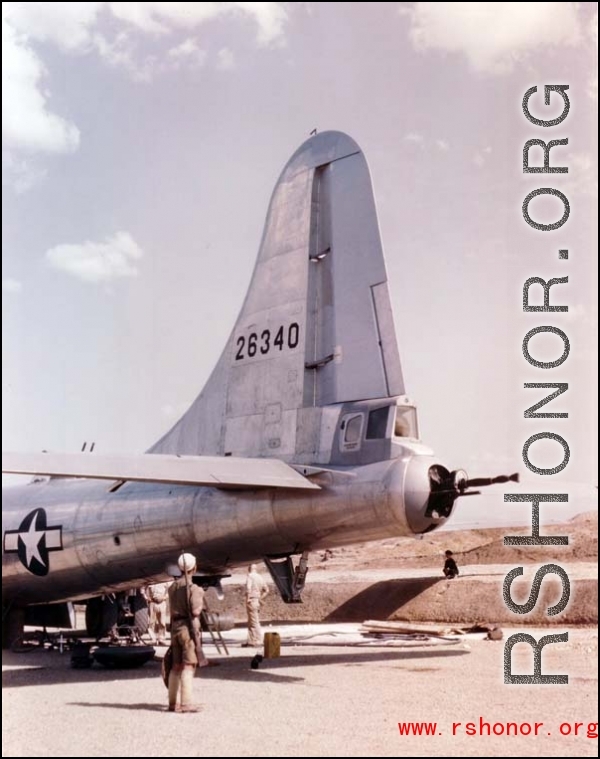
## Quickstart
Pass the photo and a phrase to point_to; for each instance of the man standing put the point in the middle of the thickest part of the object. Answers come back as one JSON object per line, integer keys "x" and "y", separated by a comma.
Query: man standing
{"x": 186, "y": 601}
{"x": 157, "y": 607}
{"x": 256, "y": 590}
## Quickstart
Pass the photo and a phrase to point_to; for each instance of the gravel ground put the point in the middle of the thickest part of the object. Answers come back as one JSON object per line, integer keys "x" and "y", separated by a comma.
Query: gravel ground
{"x": 423, "y": 594}
{"x": 313, "y": 701}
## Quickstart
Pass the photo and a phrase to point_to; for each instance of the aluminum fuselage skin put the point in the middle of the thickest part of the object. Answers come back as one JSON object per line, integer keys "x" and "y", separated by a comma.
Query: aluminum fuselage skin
{"x": 310, "y": 375}
{"x": 112, "y": 541}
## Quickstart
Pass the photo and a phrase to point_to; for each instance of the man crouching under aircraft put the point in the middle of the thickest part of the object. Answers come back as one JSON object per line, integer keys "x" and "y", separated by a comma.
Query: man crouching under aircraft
{"x": 186, "y": 600}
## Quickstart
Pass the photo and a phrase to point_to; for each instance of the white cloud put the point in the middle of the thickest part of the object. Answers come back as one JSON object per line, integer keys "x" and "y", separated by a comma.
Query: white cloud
{"x": 270, "y": 17}
{"x": 98, "y": 261}
{"x": 122, "y": 51}
{"x": 161, "y": 17}
{"x": 65, "y": 24}
{"x": 481, "y": 156}
{"x": 593, "y": 34}
{"x": 417, "y": 139}
{"x": 414, "y": 137}
{"x": 115, "y": 52}
{"x": 30, "y": 125}
{"x": 10, "y": 285}
{"x": 187, "y": 52}
{"x": 27, "y": 123}
{"x": 225, "y": 59}
{"x": 21, "y": 174}
{"x": 493, "y": 36}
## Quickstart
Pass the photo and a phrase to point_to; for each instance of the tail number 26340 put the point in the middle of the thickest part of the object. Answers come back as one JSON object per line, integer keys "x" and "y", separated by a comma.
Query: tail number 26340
{"x": 264, "y": 342}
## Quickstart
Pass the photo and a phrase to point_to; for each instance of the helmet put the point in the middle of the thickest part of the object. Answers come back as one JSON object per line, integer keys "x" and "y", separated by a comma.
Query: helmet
{"x": 187, "y": 562}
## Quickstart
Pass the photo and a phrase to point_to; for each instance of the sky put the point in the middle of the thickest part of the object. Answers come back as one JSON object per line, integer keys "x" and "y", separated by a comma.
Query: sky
{"x": 141, "y": 143}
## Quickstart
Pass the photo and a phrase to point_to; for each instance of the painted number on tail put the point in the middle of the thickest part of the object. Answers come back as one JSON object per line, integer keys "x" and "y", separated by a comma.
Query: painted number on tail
{"x": 267, "y": 341}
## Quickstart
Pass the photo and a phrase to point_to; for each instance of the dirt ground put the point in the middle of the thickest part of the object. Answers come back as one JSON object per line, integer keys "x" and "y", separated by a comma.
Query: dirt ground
{"x": 332, "y": 696}
{"x": 469, "y": 547}
{"x": 315, "y": 700}
{"x": 401, "y": 579}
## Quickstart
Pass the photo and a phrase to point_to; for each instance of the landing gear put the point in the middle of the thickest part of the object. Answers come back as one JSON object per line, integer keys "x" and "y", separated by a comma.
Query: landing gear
{"x": 122, "y": 618}
{"x": 288, "y": 579}
{"x": 101, "y": 615}
{"x": 105, "y": 614}
{"x": 13, "y": 622}
{"x": 141, "y": 615}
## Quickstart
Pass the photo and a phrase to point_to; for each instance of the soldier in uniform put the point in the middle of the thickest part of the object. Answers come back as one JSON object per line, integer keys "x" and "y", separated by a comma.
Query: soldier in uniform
{"x": 156, "y": 596}
{"x": 256, "y": 590}
{"x": 186, "y": 601}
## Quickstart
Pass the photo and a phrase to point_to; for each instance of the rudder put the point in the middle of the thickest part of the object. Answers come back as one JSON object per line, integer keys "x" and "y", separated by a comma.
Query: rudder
{"x": 316, "y": 327}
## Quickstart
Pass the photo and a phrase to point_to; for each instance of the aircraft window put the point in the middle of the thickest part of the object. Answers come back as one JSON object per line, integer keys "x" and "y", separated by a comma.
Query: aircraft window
{"x": 406, "y": 422}
{"x": 353, "y": 430}
{"x": 377, "y": 424}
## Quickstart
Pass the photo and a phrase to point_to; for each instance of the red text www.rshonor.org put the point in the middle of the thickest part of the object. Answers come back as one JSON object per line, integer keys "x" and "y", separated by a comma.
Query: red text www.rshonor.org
{"x": 482, "y": 727}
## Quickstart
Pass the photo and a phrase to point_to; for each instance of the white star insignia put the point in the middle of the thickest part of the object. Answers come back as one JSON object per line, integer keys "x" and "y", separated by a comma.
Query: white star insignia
{"x": 31, "y": 539}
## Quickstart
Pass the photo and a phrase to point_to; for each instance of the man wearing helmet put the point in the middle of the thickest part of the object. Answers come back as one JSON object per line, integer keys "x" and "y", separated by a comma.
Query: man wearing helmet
{"x": 186, "y": 601}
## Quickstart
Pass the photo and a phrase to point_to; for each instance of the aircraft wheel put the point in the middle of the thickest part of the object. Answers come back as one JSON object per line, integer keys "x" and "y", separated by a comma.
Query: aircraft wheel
{"x": 29, "y": 641}
{"x": 123, "y": 657}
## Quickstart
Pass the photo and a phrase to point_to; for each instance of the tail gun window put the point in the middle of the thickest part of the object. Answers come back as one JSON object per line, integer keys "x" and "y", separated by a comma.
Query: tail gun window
{"x": 406, "y": 422}
{"x": 377, "y": 424}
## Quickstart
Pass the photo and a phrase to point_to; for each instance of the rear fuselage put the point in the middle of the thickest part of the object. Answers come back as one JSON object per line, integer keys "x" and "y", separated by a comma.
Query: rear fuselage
{"x": 115, "y": 540}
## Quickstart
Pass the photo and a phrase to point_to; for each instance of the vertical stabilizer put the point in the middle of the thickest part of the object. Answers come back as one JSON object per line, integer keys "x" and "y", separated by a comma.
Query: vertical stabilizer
{"x": 316, "y": 327}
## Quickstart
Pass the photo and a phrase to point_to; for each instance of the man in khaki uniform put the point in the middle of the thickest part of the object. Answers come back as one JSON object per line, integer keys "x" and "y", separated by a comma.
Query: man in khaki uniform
{"x": 186, "y": 601}
{"x": 256, "y": 590}
{"x": 156, "y": 596}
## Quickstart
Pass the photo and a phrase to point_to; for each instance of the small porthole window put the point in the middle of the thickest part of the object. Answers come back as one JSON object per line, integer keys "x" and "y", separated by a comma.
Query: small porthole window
{"x": 353, "y": 429}
{"x": 351, "y": 432}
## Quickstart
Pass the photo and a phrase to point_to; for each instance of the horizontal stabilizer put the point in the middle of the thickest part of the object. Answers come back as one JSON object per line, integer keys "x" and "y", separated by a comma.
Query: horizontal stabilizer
{"x": 312, "y": 471}
{"x": 215, "y": 471}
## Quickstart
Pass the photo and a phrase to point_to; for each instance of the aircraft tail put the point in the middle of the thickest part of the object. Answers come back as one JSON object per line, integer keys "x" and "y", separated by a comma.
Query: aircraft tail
{"x": 316, "y": 327}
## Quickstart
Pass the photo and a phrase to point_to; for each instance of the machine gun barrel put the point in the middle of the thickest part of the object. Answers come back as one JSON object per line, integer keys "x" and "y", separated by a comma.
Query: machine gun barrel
{"x": 480, "y": 482}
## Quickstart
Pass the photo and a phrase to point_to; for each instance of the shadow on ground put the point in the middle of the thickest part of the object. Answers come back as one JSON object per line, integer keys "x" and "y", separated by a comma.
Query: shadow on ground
{"x": 381, "y": 600}
{"x": 54, "y": 670}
